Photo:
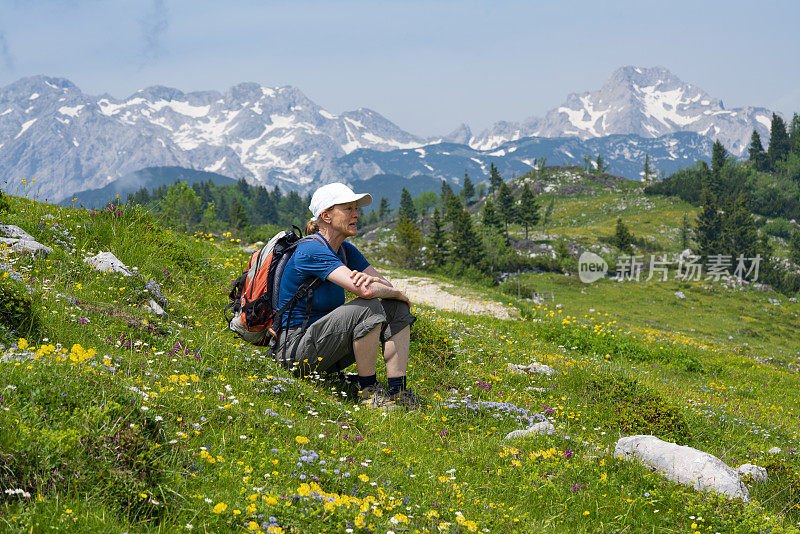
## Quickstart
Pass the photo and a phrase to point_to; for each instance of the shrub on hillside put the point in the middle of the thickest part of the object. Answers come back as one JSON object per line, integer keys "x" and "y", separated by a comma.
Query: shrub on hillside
{"x": 779, "y": 228}
{"x": 17, "y": 309}
{"x": 5, "y": 206}
{"x": 633, "y": 408}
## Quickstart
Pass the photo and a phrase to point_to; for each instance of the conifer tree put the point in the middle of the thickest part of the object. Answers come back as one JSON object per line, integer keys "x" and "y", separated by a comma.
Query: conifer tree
{"x": 490, "y": 218}
{"x": 494, "y": 179}
{"x": 528, "y": 209}
{"x": 778, "y": 141}
{"x": 238, "y": 216}
{"x": 548, "y": 211}
{"x": 467, "y": 248}
{"x": 437, "y": 242}
{"x": 407, "y": 209}
{"x": 445, "y": 193}
{"x": 409, "y": 241}
{"x": 708, "y": 230}
{"x": 685, "y": 232}
{"x": 718, "y": 157}
{"x": 452, "y": 208}
{"x": 647, "y": 169}
{"x": 383, "y": 209}
{"x": 756, "y": 153}
{"x": 794, "y": 134}
{"x": 505, "y": 205}
{"x": 468, "y": 190}
{"x": 739, "y": 233}
{"x": 623, "y": 238}
{"x": 794, "y": 247}
{"x": 602, "y": 166}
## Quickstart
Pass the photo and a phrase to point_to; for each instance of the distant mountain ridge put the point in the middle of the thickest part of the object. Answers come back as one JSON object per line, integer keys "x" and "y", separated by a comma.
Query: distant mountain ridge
{"x": 69, "y": 141}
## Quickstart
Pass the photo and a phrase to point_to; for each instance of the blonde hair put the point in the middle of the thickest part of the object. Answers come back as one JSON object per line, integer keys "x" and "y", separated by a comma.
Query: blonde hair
{"x": 312, "y": 227}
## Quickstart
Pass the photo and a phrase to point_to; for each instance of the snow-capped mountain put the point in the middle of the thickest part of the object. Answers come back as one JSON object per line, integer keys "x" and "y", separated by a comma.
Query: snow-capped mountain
{"x": 70, "y": 141}
{"x": 648, "y": 102}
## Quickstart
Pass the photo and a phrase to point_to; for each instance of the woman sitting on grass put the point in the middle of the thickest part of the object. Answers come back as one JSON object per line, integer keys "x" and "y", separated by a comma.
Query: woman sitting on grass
{"x": 340, "y": 333}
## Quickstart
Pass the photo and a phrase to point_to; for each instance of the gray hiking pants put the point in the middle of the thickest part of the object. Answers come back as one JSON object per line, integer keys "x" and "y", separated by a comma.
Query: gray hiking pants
{"x": 327, "y": 345}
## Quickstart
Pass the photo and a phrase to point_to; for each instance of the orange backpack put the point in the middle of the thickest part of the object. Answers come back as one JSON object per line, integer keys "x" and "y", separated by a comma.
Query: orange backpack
{"x": 253, "y": 297}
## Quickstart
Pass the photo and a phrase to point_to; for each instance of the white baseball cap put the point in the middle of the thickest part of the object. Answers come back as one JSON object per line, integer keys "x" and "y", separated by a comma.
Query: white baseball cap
{"x": 336, "y": 193}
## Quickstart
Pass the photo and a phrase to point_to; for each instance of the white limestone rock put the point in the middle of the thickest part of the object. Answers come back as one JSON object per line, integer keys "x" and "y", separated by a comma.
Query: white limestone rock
{"x": 537, "y": 429}
{"x": 774, "y": 450}
{"x": 685, "y": 465}
{"x": 107, "y": 262}
{"x": 757, "y": 474}
{"x": 532, "y": 369}
{"x": 10, "y": 230}
{"x": 153, "y": 307}
{"x": 26, "y": 245}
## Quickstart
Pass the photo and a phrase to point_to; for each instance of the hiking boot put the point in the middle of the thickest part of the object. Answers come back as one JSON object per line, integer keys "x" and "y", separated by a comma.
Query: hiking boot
{"x": 376, "y": 397}
{"x": 406, "y": 399}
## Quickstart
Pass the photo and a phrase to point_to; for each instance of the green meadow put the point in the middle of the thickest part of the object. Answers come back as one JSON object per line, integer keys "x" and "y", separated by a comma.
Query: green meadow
{"x": 113, "y": 419}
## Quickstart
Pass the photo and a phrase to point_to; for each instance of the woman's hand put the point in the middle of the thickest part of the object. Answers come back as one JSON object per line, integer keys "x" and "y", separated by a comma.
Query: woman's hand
{"x": 362, "y": 279}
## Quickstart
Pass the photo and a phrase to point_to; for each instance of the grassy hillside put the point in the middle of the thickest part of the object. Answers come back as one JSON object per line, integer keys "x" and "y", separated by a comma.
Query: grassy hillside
{"x": 115, "y": 420}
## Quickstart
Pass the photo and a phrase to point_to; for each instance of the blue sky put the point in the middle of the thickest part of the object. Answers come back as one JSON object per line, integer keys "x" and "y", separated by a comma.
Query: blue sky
{"x": 427, "y": 66}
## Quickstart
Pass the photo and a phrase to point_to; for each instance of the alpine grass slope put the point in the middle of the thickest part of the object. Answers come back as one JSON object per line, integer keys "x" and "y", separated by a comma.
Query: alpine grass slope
{"x": 116, "y": 420}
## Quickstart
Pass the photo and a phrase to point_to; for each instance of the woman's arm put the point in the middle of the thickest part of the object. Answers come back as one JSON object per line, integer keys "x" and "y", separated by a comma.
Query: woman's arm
{"x": 367, "y": 288}
{"x": 372, "y": 271}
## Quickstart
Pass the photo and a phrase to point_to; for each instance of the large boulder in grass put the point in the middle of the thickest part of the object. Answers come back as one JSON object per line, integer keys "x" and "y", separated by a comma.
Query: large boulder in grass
{"x": 532, "y": 369}
{"x": 756, "y": 473}
{"x": 537, "y": 429}
{"x": 27, "y": 245}
{"x": 685, "y": 465}
{"x": 12, "y": 231}
{"x": 108, "y": 263}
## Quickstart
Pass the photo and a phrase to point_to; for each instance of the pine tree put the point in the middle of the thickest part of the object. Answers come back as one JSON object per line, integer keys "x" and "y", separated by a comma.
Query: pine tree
{"x": 757, "y": 156}
{"x": 467, "y": 248}
{"x": 685, "y": 232}
{"x": 528, "y": 209}
{"x": 602, "y": 166}
{"x": 548, "y": 211}
{"x": 490, "y": 218}
{"x": 409, "y": 241}
{"x": 794, "y": 134}
{"x": 494, "y": 178}
{"x": 739, "y": 233}
{"x": 437, "y": 242}
{"x": 407, "y": 209}
{"x": 718, "y": 157}
{"x": 778, "y": 141}
{"x": 384, "y": 211}
{"x": 647, "y": 169}
{"x": 445, "y": 193}
{"x": 238, "y": 216}
{"x": 623, "y": 239}
{"x": 794, "y": 247}
{"x": 708, "y": 229}
{"x": 468, "y": 190}
{"x": 505, "y": 205}
{"x": 452, "y": 208}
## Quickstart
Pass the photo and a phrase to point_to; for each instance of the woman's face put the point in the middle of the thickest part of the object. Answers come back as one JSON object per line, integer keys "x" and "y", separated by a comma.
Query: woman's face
{"x": 344, "y": 218}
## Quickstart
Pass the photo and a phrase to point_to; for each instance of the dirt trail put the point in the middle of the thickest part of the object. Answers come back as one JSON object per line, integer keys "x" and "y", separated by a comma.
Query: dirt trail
{"x": 432, "y": 293}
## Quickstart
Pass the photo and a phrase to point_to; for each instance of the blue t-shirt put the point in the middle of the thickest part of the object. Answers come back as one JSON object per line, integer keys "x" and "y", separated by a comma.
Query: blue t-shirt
{"x": 313, "y": 258}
